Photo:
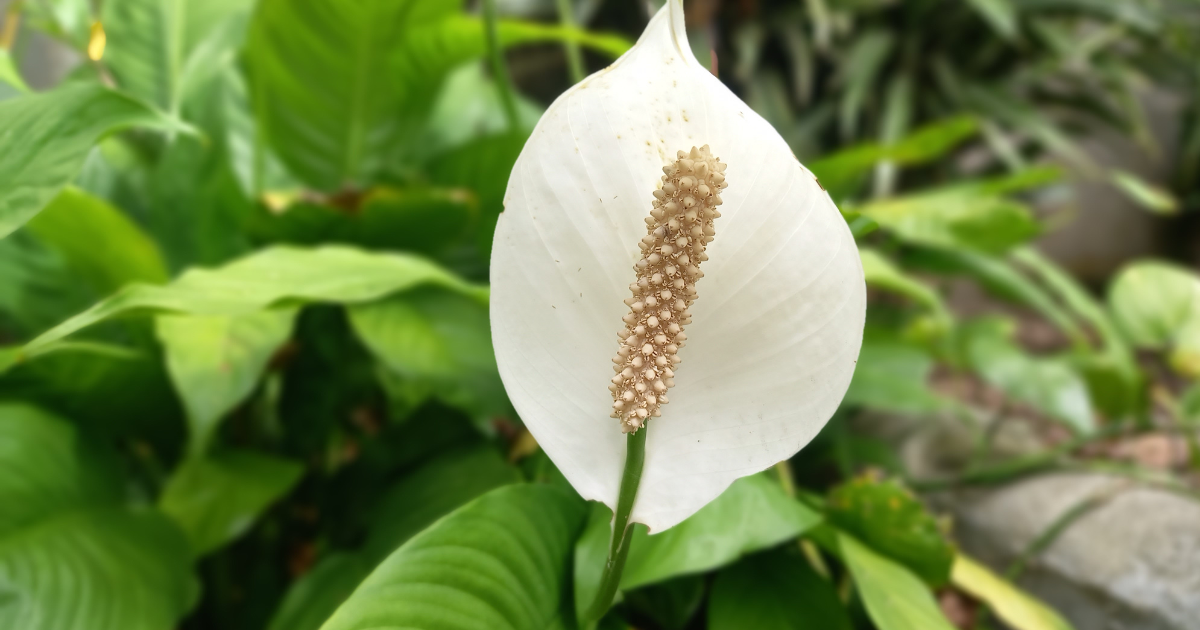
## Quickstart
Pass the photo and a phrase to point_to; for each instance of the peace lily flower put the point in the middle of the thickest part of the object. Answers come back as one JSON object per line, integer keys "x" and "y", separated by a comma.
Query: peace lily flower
{"x": 664, "y": 264}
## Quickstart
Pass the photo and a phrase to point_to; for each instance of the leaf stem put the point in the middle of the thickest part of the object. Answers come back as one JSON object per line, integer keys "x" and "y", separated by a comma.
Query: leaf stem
{"x": 499, "y": 70}
{"x": 566, "y": 17}
{"x": 618, "y": 549}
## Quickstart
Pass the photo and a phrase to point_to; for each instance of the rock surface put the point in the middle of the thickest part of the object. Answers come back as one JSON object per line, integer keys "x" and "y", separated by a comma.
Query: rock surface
{"x": 1131, "y": 562}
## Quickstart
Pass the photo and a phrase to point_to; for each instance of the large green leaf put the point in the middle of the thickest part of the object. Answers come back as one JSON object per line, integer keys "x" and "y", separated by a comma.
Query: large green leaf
{"x": 1049, "y": 384}
{"x": 886, "y": 516}
{"x": 102, "y": 245}
{"x": 1157, "y": 306}
{"x": 274, "y": 276}
{"x": 215, "y": 361}
{"x": 217, "y": 498}
{"x": 408, "y": 507}
{"x": 955, "y": 218}
{"x": 438, "y": 338}
{"x": 774, "y": 591}
{"x": 45, "y": 137}
{"x": 894, "y": 597}
{"x": 753, "y": 514}
{"x": 433, "y": 491}
{"x": 894, "y": 375}
{"x": 501, "y": 561}
{"x": 158, "y": 49}
{"x": 346, "y": 87}
{"x": 72, "y": 556}
{"x": 1011, "y": 604}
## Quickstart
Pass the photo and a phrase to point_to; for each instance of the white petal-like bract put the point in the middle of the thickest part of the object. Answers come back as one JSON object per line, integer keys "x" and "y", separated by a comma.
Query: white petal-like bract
{"x": 778, "y": 324}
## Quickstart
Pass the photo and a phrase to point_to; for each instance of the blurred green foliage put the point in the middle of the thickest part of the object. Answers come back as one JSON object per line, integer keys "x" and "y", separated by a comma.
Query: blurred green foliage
{"x": 246, "y": 374}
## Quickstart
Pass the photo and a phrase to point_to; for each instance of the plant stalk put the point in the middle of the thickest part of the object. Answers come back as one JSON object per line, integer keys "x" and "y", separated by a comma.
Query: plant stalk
{"x": 500, "y": 75}
{"x": 618, "y": 549}
{"x": 566, "y": 17}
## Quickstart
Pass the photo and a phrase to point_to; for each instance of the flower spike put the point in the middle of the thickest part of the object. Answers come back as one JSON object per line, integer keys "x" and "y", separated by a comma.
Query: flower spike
{"x": 680, "y": 227}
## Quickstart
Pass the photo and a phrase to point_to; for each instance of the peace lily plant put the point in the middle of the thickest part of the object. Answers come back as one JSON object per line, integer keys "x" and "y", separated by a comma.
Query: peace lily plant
{"x": 676, "y": 302}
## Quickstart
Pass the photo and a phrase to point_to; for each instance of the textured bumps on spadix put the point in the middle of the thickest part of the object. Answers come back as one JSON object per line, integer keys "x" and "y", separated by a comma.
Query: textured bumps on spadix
{"x": 678, "y": 231}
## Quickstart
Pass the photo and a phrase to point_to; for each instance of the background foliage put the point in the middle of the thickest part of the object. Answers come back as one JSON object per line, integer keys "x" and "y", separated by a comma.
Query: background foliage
{"x": 247, "y": 377}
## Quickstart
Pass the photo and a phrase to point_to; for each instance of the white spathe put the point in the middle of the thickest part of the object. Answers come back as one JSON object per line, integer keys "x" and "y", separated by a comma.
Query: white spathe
{"x": 778, "y": 324}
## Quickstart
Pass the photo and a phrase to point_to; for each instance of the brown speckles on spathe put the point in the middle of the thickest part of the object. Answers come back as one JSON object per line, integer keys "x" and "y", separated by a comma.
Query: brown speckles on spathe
{"x": 679, "y": 229}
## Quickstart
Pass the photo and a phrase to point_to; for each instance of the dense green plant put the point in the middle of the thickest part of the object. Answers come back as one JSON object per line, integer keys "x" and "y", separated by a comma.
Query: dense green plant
{"x": 247, "y": 378}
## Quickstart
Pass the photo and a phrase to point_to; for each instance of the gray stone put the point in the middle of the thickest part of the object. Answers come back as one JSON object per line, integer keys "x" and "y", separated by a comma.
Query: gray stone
{"x": 1131, "y": 563}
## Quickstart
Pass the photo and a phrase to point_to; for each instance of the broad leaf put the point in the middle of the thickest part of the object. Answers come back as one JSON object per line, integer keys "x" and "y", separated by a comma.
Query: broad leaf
{"x": 892, "y": 375}
{"x": 157, "y": 48}
{"x": 1157, "y": 306}
{"x": 439, "y": 338}
{"x": 753, "y": 514}
{"x": 317, "y": 66}
{"x": 501, "y": 561}
{"x": 886, "y": 516}
{"x": 215, "y": 361}
{"x": 102, "y": 245}
{"x": 774, "y": 591}
{"x": 266, "y": 278}
{"x": 894, "y": 597}
{"x": 11, "y": 83}
{"x": 1048, "y": 384}
{"x": 314, "y": 597}
{"x": 72, "y": 556}
{"x": 955, "y": 219}
{"x": 44, "y": 139}
{"x": 433, "y": 491}
{"x": 1011, "y": 604}
{"x": 215, "y": 499}
{"x": 408, "y": 507}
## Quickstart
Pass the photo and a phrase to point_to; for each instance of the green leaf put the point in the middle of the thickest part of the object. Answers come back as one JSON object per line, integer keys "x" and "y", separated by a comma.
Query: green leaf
{"x": 882, "y": 274}
{"x": 408, "y": 507}
{"x": 841, "y": 171}
{"x": 273, "y": 276}
{"x": 671, "y": 604}
{"x": 1157, "y": 306}
{"x": 11, "y": 83}
{"x": 102, "y": 245}
{"x": 894, "y": 597}
{"x": 217, "y": 498}
{"x": 753, "y": 514}
{"x": 1048, "y": 384}
{"x": 501, "y": 561}
{"x": 215, "y": 361}
{"x": 955, "y": 218}
{"x": 774, "y": 591}
{"x": 157, "y": 49}
{"x": 1001, "y": 15}
{"x": 67, "y": 20}
{"x": 72, "y": 556}
{"x": 893, "y": 375}
{"x": 886, "y": 516}
{"x": 1147, "y": 195}
{"x": 317, "y": 65}
{"x": 426, "y": 221}
{"x": 1011, "y": 604}
{"x": 107, "y": 388}
{"x": 481, "y": 165}
{"x": 433, "y": 491}
{"x": 439, "y": 338}
{"x": 314, "y": 597}
{"x": 45, "y": 137}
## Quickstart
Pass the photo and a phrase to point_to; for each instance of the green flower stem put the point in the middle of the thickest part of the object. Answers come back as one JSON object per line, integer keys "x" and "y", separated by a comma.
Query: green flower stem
{"x": 618, "y": 549}
{"x": 499, "y": 70}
